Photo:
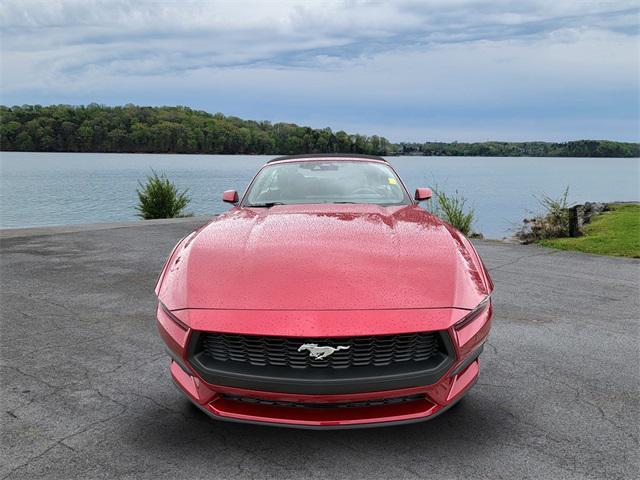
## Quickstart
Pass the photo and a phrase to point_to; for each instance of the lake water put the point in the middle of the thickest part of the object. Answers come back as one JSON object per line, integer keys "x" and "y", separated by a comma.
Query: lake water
{"x": 38, "y": 189}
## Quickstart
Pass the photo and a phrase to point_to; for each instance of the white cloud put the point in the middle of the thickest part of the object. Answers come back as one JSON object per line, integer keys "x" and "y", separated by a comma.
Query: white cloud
{"x": 427, "y": 58}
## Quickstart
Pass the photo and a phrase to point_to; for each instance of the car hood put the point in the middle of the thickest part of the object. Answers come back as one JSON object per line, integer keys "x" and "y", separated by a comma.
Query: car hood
{"x": 324, "y": 257}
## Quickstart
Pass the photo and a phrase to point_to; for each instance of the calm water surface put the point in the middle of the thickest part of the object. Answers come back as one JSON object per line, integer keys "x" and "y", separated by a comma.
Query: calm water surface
{"x": 39, "y": 189}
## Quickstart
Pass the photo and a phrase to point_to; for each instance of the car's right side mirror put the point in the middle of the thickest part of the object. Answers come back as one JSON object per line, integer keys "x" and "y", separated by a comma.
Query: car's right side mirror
{"x": 230, "y": 196}
{"x": 423, "y": 194}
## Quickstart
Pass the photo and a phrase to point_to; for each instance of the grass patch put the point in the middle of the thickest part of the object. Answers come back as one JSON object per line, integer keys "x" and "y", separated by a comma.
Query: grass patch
{"x": 616, "y": 232}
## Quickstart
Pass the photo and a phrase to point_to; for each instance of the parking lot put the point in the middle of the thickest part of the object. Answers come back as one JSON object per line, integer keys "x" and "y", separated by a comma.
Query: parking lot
{"x": 86, "y": 391}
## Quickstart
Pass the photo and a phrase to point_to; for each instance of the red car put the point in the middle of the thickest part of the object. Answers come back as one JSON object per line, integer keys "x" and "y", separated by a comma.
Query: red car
{"x": 325, "y": 298}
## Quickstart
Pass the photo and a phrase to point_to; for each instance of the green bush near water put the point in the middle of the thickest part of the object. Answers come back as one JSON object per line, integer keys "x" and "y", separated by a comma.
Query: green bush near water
{"x": 160, "y": 198}
{"x": 556, "y": 218}
{"x": 452, "y": 209}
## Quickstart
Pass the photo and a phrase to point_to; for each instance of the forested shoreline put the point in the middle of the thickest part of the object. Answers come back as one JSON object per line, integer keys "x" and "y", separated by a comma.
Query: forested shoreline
{"x": 137, "y": 129}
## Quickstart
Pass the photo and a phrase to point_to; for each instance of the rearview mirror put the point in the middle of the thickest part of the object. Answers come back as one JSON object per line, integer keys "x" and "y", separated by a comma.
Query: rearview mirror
{"x": 230, "y": 196}
{"x": 423, "y": 194}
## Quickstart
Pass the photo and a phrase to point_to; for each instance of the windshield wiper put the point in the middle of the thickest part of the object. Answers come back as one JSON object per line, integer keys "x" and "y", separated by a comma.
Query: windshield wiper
{"x": 342, "y": 202}
{"x": 265, "y": 204}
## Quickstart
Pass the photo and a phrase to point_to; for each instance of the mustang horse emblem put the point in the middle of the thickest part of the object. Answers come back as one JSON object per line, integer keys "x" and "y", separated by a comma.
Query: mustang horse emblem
{"x": 318, "y": 353}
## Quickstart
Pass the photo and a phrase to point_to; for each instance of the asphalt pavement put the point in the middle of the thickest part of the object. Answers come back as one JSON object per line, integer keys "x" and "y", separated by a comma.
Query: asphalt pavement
{"x": 86, "y": 391}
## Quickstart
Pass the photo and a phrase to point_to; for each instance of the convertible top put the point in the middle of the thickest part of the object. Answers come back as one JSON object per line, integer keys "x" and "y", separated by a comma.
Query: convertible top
{"x": 327, "y": 155}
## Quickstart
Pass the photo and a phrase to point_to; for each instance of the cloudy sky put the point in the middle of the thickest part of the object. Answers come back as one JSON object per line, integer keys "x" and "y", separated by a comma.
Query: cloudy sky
{"x": 409, "y": 70}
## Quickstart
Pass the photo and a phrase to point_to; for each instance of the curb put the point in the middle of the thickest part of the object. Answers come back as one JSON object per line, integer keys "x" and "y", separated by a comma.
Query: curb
{"x": 7, "y": 233}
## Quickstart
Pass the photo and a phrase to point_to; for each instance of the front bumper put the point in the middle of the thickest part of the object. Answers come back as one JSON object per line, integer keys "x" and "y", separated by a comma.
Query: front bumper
{"x": 337, "y": 410}
{"x": 213, "y": 401}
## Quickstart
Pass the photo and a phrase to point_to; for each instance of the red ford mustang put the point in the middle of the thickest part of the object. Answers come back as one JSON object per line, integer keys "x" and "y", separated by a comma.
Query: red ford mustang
{"x": 325, "y": 298}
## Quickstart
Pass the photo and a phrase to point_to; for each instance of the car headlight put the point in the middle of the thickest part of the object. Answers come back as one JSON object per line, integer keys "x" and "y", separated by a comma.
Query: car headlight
{"x": 475, "y": 313}
{"x": 172, "y": 317}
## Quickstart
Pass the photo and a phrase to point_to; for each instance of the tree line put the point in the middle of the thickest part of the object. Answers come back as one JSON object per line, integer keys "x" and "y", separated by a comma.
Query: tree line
{"x": 577, "y": 148}
{"x": 137, "y": 129}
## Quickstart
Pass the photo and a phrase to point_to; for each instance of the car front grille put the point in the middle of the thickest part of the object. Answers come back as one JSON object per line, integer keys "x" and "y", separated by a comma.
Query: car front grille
{"x": 354, "y": 404}
{"x": 369, "y": 351}
{"x": 372, "y": 363}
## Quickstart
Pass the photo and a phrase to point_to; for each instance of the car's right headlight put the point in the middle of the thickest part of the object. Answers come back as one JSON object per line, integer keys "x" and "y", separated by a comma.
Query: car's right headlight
{"x": 475, "y": 313}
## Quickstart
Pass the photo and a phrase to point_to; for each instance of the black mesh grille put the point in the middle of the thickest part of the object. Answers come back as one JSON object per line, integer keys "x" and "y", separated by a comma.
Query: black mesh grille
{"x": 376, "y": 351}
{"x": 359, "y": 404}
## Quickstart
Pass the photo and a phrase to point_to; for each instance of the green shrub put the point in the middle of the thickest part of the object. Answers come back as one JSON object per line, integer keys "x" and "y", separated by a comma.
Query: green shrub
{"x": 556, "y": 214}
{"x": 553, "y": 222}
{"x": 451, "y": 208}
{"x": 160, "y": 198}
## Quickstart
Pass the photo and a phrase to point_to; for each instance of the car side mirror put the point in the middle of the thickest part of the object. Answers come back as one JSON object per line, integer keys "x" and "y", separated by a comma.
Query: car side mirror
{"x": 230, "y": 196}
{"x": 423, "y": 194}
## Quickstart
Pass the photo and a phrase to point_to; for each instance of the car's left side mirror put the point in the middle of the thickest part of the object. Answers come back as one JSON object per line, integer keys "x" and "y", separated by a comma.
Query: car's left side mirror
{"x": 230, "y": 196}
{"x": 423, "y": 194}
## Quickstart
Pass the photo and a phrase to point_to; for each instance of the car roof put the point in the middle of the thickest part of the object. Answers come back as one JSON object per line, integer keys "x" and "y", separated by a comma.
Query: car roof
{"x": 333, "y": 156}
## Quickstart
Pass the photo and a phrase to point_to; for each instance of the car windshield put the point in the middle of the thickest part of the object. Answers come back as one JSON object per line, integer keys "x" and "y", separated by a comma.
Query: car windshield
{"x": 326, "y": 182}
